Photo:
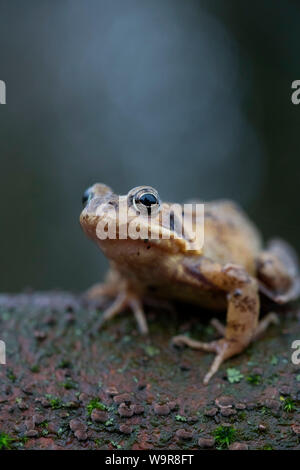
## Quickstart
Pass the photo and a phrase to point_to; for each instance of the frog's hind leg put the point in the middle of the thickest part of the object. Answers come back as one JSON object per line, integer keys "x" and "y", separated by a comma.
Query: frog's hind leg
{"x": 278, "y": 272}
{"x": 242, "y": 314}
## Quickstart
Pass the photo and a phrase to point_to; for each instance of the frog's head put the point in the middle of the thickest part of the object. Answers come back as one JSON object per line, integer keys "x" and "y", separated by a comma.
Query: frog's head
{"x": 117, "y": 223}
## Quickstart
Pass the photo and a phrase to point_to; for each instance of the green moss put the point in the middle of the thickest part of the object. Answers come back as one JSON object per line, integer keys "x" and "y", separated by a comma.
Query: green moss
{"x": 267, "y": 447}
{"x": 116, "y": 444}
{"x": 98, "y": 442}
{"x": 265, "y": 411}
{"x": 112, "y": 408}
{"x": 55, "y": 402}
{"x": 21, "y": 441}
{"x": 254, "y": 379}
{"x": 35, "y": 369}
{"x": 126, "y": 339}
{"x": 64, "y": 364}
{"x": 5, "y": 441}
{"x": 133, "y": 438}
{"x": 224, "y": 436}
{"x": 151, "y": 351}
{"x": 242, "y": 415}
{"x": 154, "y": 422}
{"x": 234, "y": 375}
{"x": 274, "y": 360}
{"x": 289, "y": 405}
{"x": 180, "y": 418}
{"x": 109, "y": 422}
{"x": 165, "y": 437}
{"x": 10, "y": 375}
{"x": 69, "y": 384}
{"x": 95, "y": 404}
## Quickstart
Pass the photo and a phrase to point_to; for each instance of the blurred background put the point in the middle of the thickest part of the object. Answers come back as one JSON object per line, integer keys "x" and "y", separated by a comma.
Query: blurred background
{"x": 192, "y": 97}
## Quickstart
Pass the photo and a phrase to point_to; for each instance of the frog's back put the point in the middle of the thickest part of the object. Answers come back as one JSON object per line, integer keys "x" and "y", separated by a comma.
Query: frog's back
{"x": 229, "y": 235}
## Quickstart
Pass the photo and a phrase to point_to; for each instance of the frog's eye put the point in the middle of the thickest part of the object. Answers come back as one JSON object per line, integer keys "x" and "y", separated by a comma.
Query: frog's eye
{"x": 147, "y": 200}
{"x": 87, "y": 195}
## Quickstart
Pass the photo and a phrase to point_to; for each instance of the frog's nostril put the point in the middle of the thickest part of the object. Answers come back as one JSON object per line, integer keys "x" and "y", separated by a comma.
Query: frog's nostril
{"x": 87, "y": 195}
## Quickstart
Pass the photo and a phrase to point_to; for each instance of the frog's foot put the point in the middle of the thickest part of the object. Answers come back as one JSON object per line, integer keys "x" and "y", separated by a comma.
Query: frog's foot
{"x": 126, "y": 299}
{"x": 223, "y": 348}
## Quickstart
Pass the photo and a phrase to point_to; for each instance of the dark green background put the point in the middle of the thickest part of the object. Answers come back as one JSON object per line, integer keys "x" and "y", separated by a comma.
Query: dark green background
{"x": 193, "y": 98}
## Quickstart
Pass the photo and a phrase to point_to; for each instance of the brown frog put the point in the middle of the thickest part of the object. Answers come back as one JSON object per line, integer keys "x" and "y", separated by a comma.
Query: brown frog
{"x": 227, "y": 272}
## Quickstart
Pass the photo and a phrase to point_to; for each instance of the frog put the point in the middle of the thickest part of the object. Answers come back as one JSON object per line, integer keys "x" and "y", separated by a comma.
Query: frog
{"x": 229, "y": 272}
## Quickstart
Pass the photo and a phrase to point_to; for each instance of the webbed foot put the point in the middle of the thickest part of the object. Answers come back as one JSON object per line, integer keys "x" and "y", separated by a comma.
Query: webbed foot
{"x": 223, "y": 348}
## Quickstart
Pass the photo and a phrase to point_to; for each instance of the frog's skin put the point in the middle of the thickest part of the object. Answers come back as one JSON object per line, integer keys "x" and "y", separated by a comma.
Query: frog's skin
{"x": 228, "y": 272}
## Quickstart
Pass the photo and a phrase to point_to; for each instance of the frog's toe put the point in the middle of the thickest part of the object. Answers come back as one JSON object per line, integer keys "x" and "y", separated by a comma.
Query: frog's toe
{"x": 223, "y": 348}
{"x": 118, "y": 305}
{"x": 182, "y": 340}
{"x": 137, "y": 308}
{"x": 219, "y": 327}
{"x": 270, "y": 319}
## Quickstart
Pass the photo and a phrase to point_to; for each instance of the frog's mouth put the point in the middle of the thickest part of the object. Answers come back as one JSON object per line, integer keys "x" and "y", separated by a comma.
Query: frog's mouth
{"x": 92, "y": 199}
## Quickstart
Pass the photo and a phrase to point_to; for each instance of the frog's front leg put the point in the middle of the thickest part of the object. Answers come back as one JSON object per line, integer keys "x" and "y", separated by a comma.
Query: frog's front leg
{"x": 242, "y": 311}
{"x": 110, "y": 288}
{"x": 124, "y": 297}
